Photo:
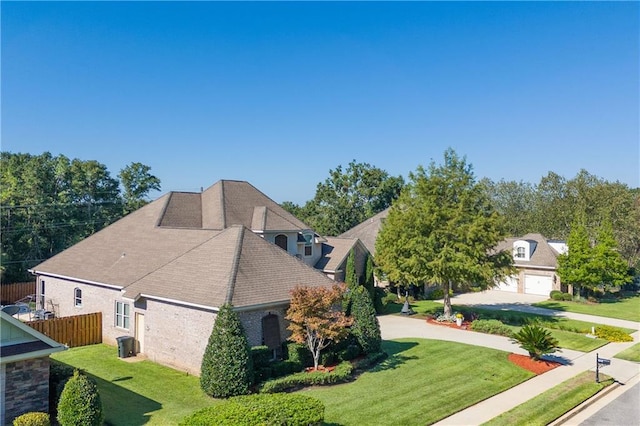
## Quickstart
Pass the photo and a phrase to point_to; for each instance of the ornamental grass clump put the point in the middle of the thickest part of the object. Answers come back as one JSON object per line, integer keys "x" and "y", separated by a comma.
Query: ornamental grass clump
{"x": 535, "y": 340}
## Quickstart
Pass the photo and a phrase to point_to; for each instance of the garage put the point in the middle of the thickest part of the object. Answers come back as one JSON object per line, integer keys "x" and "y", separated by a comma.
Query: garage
{"x": 538, "y": 284}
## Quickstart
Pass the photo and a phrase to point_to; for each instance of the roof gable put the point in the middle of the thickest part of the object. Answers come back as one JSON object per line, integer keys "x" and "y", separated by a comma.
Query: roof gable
{"x": 19, "y": 341}
{"x": 367, "y": 231}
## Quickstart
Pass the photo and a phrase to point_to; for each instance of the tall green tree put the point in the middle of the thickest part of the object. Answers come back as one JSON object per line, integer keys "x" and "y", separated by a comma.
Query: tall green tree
{"x": 137, "y": 182}
{"x": 348, "y": 197}
{"x": 227, "y": 366}
{"x": 442, "y": 230}
{"x": 365, "y": 327}
{"x": 574, "y": 267}
{"x": 607, "y": 261}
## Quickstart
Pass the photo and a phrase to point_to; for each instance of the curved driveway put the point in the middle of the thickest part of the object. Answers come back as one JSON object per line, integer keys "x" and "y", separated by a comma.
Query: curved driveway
{"x": 396, "y": 326}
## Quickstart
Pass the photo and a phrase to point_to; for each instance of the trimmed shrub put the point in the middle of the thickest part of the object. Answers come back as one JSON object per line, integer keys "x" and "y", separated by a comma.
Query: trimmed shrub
{"x": 261, "y": 409}
{"x": 261, "y": 356}
{"x": 350, "y": 352}
{"x": 227, "y": 367}
{"x": 491, "y": 326}
{"x": 555, "y": 295}
{"x": 32, "y": 419}
{"x": 369, "y": 361}
{"x": 80, "y": 403}
{"x": 300, "y": 353}
{"x": 567, "y": 297}
{"x": 59, "y": 374}
{"x": 612, "y": 334}
{"x": 342, "y": 373}
{"x": 535, "y": 340}
{"x": 365, "y": 328}
{"x": 379, "y": 301}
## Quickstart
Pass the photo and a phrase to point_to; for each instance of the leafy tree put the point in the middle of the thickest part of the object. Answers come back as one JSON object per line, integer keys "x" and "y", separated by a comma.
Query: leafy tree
{"x": 50, "y": 203}
{"x": 137, "y": 183}
{"x": 227, "y": 368}
{"x": 442, "y": 230}
{"x": 80, "y": 403}
{"x": 515, "y": 202}
{"x": 366, "y": 327}
{"x": 574, "y": 266}
{"x": 607, "y": 261}
{"x": 536, "y": 340}
{"x": 315, "y": 318}
{"x": 348, "y": 197}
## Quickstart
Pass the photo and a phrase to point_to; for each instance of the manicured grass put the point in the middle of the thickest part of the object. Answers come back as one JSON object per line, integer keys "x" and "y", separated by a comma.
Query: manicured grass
{"x": 137, "y": 393}
{"x": 420, "y": 383}
{"x": 627, "y": 308}
{"x": 570, "y": 333}
{"x": 630, "y": 354}
{"x": 548, "y": 406}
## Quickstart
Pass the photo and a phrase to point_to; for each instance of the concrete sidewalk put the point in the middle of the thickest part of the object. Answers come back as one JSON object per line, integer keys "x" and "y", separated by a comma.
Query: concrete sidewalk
{"x": 393, "y": 327}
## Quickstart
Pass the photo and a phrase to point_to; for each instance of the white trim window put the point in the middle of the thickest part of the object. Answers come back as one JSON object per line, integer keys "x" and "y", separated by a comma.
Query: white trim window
{"x": 123, "y": 315}
{"x": 520, "y": 253}
{"x": 77, "y": 297}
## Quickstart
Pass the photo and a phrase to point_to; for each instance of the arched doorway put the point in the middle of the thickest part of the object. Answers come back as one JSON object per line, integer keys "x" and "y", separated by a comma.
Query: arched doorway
{"x": 271, "y": 335}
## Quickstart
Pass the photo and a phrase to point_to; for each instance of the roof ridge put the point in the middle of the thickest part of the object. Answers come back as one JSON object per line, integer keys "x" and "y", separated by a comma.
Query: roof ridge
{"x": 223, "y": 207}
{"x": 236, "y": 263}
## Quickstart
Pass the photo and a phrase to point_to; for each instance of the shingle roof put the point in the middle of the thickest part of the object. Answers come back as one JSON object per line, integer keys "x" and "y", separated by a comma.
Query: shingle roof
{"x": 193, "y": 248}
{"x": 335, "y": 252}
{"x": 367, "y": 231}
{"x": 247, "y": 271}
{"x": 543, "y": 255}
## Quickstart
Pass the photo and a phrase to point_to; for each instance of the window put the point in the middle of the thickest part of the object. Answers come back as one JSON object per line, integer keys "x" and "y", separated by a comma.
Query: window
{"x": 77, "y": 297}
{"x": 308, "y": 246}
{"x": 520, "y": 254}
{"x": 281, "y": 241}
{"x": 122, "y": 315}
{"x": 42, "y": 294}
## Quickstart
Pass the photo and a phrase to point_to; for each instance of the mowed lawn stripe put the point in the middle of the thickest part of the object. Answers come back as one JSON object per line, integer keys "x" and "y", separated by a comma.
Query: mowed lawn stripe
{"x": 422, "y": 382}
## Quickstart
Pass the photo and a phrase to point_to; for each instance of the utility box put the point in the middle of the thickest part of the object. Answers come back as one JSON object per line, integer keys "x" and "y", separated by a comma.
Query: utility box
{"x": 125, "y": 346}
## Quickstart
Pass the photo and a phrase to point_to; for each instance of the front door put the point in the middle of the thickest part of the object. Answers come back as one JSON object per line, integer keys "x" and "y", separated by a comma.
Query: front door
{"x": 140, "y": 332}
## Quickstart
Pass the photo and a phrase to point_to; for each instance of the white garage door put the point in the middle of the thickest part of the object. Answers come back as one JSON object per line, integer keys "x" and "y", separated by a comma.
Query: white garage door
{"x": 510, "y": 284}
{"x": 538, "y": 284}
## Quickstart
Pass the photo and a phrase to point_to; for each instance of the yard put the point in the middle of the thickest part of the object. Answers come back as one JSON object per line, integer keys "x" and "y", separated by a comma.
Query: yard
{"x": 627, "y": 308}
{"x": 444, "y": 377}
{"x": 570, "y": 333}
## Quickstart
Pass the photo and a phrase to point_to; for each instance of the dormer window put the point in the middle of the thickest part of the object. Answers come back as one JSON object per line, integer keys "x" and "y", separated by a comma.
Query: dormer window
{"x": 308, "y": 244}
{"x": 520, "y": 253}
{"x": 282, "y": 241}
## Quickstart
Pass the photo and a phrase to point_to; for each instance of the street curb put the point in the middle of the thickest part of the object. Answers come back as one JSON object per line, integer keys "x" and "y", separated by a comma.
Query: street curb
{"x": 584, "y": 405}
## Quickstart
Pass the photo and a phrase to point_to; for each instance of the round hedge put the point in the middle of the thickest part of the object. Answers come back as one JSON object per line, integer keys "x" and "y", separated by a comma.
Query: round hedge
{"x": 32, "y": 419}
{"x": 260, "y": 409}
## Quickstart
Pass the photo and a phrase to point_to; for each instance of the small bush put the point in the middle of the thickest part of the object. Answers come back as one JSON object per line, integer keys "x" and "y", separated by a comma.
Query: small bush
{"x": 535, "y": 340}
{"x": 32, "y": 419}
{"x": 350, "y": 352}
{"x": 342, "y": 373}
{"x": 80, "y": 403}
{"x": 491, "y": 326}
{"x": 261, "y": 356}
{"x": 59, "y": 374}
{"x": 555, "y": 295}
{"x": 261, "y": 409}
{"x": 297, "y": 352}
{"x": 612, "y": 334}
{"x": 379, "y": 300}
{"x": 369, "y": 361}
{"x": 436, "y": 294}
{"x": 567, "y": 297}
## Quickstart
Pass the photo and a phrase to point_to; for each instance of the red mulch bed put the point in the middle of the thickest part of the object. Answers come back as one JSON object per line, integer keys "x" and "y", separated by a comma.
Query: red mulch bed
{"x": 524, "y": 361}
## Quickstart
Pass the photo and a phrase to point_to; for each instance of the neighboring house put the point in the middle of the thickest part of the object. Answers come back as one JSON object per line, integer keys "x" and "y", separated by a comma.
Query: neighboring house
{"x": 161, "y": 273}
{"x": 536, "y": 260}
{"x": 24, "y": 368}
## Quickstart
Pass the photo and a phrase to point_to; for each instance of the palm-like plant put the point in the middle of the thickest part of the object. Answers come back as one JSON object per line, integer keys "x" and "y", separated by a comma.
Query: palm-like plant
{"x": 535, "y": 340}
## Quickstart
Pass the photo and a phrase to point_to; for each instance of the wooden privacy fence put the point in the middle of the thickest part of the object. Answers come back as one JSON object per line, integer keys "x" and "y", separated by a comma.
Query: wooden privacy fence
{"x": 79, "y": 330}
{"x": 11, "y": 293}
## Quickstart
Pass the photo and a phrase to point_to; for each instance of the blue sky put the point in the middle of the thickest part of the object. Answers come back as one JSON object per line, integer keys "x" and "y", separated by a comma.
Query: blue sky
{"x": 278, "y": 94}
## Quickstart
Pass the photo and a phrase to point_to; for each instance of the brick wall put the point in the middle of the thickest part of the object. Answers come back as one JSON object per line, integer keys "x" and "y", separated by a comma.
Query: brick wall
{"x": 26, "y": 387}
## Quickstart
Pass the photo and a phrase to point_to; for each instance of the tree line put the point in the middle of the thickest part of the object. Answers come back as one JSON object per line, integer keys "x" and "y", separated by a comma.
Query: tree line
{"x": 48, "y": 203}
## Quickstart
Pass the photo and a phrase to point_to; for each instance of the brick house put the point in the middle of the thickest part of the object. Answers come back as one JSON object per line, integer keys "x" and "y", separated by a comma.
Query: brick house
{"x": 161, "y": 273}
{"x": 24, "y": 368}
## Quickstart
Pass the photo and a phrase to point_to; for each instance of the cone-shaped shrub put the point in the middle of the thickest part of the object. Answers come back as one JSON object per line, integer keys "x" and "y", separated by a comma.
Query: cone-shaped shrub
{"x": 227, "y": 368}
{"x": 535, "y": 340}
{"x": 366, "y": 327}
{"x": 80, "y": 403}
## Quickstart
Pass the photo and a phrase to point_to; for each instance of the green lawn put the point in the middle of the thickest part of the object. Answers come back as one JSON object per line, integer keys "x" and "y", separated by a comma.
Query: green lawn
{"x": 548, "y": 406}
{"x": 433, "y": 379}
{"x": 137, "y": 393}
{"x": 421, "y": 382}
{"x": 625, "y": 308}
{"x": 630, "y": 354}
{"x": 565, "y": 330}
